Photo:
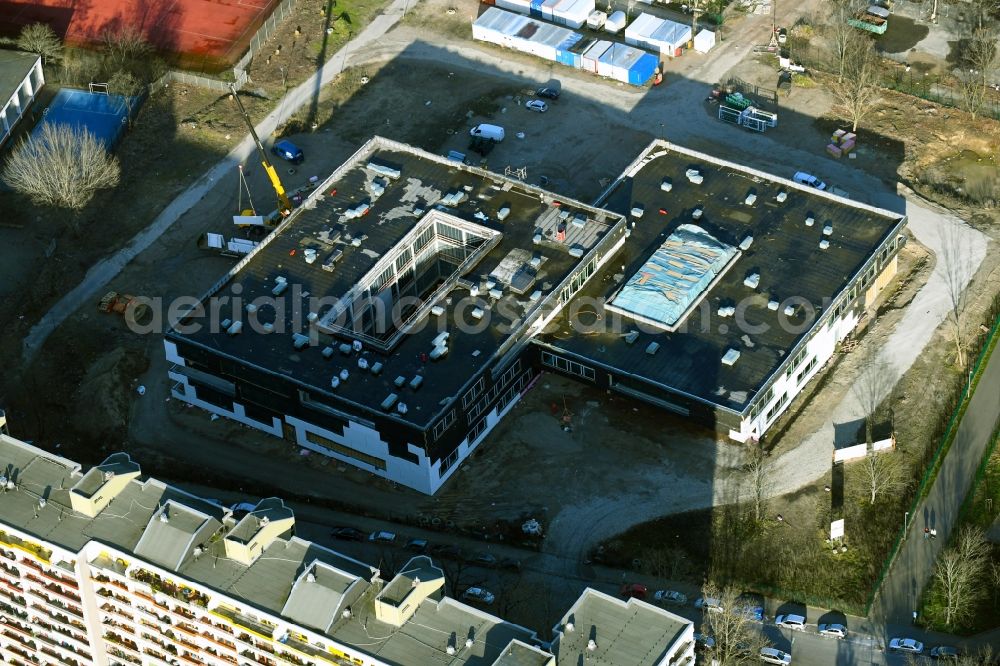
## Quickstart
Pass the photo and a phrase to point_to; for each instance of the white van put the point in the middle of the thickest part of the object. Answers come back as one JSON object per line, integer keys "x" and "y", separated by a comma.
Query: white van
{"x": 485, "y": 131}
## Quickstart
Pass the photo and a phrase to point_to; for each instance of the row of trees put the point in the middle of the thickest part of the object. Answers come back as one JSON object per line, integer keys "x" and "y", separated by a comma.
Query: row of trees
{"x": 859, "y": 69}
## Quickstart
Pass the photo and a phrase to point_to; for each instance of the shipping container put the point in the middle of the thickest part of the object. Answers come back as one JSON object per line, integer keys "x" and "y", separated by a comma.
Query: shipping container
{"x": 591, "y": 56}
{"x": 657, "y": 35}
{"x": 643, "y": 70}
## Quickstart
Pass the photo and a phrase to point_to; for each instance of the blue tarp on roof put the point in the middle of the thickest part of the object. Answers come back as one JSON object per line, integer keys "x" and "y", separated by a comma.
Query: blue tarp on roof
{"x": 104, "y": 116}
{"x": 673, "y": 278}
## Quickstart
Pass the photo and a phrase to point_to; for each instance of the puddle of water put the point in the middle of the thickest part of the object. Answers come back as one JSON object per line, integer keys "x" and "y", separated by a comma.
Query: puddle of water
{"x": 902, "y": 35}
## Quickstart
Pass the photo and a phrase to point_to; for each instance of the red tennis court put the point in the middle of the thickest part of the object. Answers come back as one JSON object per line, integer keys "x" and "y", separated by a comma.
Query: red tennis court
{"x": 196, "y": 30}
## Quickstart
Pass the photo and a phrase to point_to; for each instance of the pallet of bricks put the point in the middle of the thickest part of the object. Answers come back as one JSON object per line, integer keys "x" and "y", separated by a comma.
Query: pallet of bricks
{"x": 841, "y": 143}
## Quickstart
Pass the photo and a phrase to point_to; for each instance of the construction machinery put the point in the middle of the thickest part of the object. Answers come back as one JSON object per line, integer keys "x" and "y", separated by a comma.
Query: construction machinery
{"x": 284, "y": 205}
{"x": 123, "y": 304}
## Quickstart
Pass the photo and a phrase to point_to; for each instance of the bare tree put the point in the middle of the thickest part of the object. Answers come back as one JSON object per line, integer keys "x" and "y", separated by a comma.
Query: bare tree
{"x": 62, "y": 167}
{"x": 985, "y": 9}
{"x": 979, "y": 61}
{"x": 960, "y": 572}
{"x": 758, "y": 476}
{"x": 667, "y": 562}
{"x": 841, "y": 36}
{"x": 871, "y": 388}
{"x": 124, "y": 83}
{"x": 738, "y": 639}
{"x": 858, "y": 91}
{"x": 882, "y": 474}
{"x": 41, "y": 39}
{"x": 125, "y": 47}
{"x": 995, "y": 581}
{"x": 956, "y": 266}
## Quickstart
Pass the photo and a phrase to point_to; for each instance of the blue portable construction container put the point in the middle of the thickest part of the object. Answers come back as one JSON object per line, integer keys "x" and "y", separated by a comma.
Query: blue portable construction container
{"x": 643, "y": 70}
{"x": 536, "y": 8}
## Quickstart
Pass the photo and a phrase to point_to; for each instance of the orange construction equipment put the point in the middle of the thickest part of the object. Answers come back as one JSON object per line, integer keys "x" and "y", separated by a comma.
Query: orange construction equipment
{"x": 113, "y": 302}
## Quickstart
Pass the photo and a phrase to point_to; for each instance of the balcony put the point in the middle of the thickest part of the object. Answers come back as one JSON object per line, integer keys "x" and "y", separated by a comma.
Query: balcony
{"x": 24, "y": 631}
{"x": 261, "y": 628}
{"x": 20, "y": 639}
{"x": 123, "y": 648}
{"x": 319, "y": 653}
{"x": 33, "y": 549}
{"x": 119, "y": 653}
{"x": 53, "y": 588}
{"x": 229, "y": 645}
{"x": 13, "y": 649}
{"x": 59, "y": 617}
{"x": 260, "y": 660}
{"x": 171, "y": 589}
{"x": 57, "y": 604}
{"x": 215, "y": 625}
{"x": 191, "y": 659}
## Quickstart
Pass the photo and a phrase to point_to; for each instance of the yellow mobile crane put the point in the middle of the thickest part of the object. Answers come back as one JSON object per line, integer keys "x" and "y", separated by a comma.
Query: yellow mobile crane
{"x": 284, "y": 205}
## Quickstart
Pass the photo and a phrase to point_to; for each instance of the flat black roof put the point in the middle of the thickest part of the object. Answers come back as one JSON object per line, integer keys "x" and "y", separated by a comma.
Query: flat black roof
{"x": 423, "y": 179}
{"x": 785, "y": 252}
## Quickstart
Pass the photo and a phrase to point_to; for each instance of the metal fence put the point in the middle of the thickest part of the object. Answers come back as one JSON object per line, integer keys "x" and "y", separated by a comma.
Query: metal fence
{"x": 263, "y": 34}
{"x": 932, "y": 466}
{"x": 219, "y": 85}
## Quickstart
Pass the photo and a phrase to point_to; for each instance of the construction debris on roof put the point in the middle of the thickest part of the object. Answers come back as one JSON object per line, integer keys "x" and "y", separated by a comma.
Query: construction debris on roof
{"x": 673, "y": 277}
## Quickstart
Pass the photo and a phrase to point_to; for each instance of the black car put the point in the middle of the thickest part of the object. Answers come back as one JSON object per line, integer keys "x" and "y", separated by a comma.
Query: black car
{"x": 445, "y": 550}
{"x": 347, "y": 534}
{"x": 549, "y": 93}
{"x": 487, "y": 560}
{"x": 417, "y": 545}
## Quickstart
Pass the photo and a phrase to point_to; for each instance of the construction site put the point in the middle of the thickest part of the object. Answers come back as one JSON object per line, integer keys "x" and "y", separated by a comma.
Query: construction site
{"x": 87, "y": 385}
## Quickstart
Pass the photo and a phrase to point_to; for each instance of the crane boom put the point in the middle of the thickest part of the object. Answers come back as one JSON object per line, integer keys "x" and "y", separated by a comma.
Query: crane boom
{"x": 284, "y": 205}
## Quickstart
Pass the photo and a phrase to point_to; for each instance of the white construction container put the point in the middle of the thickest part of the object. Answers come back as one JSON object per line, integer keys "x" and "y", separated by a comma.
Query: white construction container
{"x": 658, "y": 35}
{"x": 591, "y": 55}
{"x": 596, "y": 20}
{"x": 704, "y": 41}
{"x": 615, "y": 22}
{"x": 604, "y": 63}
{"x": 519, "y": 6}
{"x": 573, "y": 13}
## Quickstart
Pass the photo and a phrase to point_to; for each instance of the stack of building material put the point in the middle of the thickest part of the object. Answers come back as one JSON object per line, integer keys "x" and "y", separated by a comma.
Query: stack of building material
{"x": 658, "y": 35}
{"x": 841, "y": 143}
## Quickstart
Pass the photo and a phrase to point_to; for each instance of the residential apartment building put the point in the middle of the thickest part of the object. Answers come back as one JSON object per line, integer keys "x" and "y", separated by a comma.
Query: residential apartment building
{"x": 103, "y": 567}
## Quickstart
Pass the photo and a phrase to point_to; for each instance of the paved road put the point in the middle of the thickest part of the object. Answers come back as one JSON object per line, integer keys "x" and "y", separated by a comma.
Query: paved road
{"x": 106, "y": 269}
{"x": 915, "y": 563}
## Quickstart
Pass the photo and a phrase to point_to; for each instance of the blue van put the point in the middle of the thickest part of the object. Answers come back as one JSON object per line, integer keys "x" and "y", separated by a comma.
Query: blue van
{"x": 287, "y": 150}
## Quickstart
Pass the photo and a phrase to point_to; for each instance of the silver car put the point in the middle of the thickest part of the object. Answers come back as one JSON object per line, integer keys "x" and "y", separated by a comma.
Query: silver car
{"x": 772, "y": 655}
{"x": 833, "y": 630}
{"x": 910, "y": 645}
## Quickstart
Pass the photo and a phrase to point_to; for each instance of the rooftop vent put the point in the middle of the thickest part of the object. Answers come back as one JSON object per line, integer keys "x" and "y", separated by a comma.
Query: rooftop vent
{"x": 416, "y": 382}
{"x": 746, "y": 243}
{"x": 591, "y": 645}
{"x": 345, "y": 349}
{"x": 357, "y": 346}
{"x": 666, "y": 185}
{"x": 781, "y": 197}
{"x": 772, "y": 304}
{"x": 450, "y": 649}
{"x": 312, "y": 317}
{"x": 823, "y": 244}
{"x": 310, "y": 577}
{"x": 327, "y": 352}
{"x": 376, "y": 368}
{"x": 751, "y": 199}
{"x": 389, "y": 401}
{"x": 332, "y": 259}
{"x": 402, "y": 408}
{"x": 235, "y": 328}
{"x": 752, "y": 280}
{"x": 503, "y": 213}
{"x": 731, "y": 356}
{"x": 300, "y": 341}
{"x": 383, "y": 170}
{"x": 280, "y": 287}
{"x": 652, "y": 348}
{"x": 362, "y": 363}
{"x": 694, "y": 175}
{"x": 828, "y": 230}
{"x": 810, "y": 220}
{"x": 696, "y": 213}
{"x": 637, "y": 211}
{"x": 727, "y": 311}
{"x": 570, "y": 627}
{"x": 399, "y": 381}
{"x": 344, "y": 374}
{"x": 251, "y": 308}
{"x": 437, "y": 310}
{"x": 310, "y": 255}
{"x": 468, "y": 642}
{"x": 334, "y": 381}
{"x": 789, "y": 310}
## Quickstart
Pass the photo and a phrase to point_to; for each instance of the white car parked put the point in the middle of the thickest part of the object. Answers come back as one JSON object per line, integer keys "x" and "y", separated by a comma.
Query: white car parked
{"x": 772, "y": 655}
{"x": 709, "y": 604}
{"x": 808, "y": 179}
{"x": 833, "y": 630}
{"x": 537, "y": 105}
{"x": 796, "y": 622}
{"x": 910, "y": 645}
